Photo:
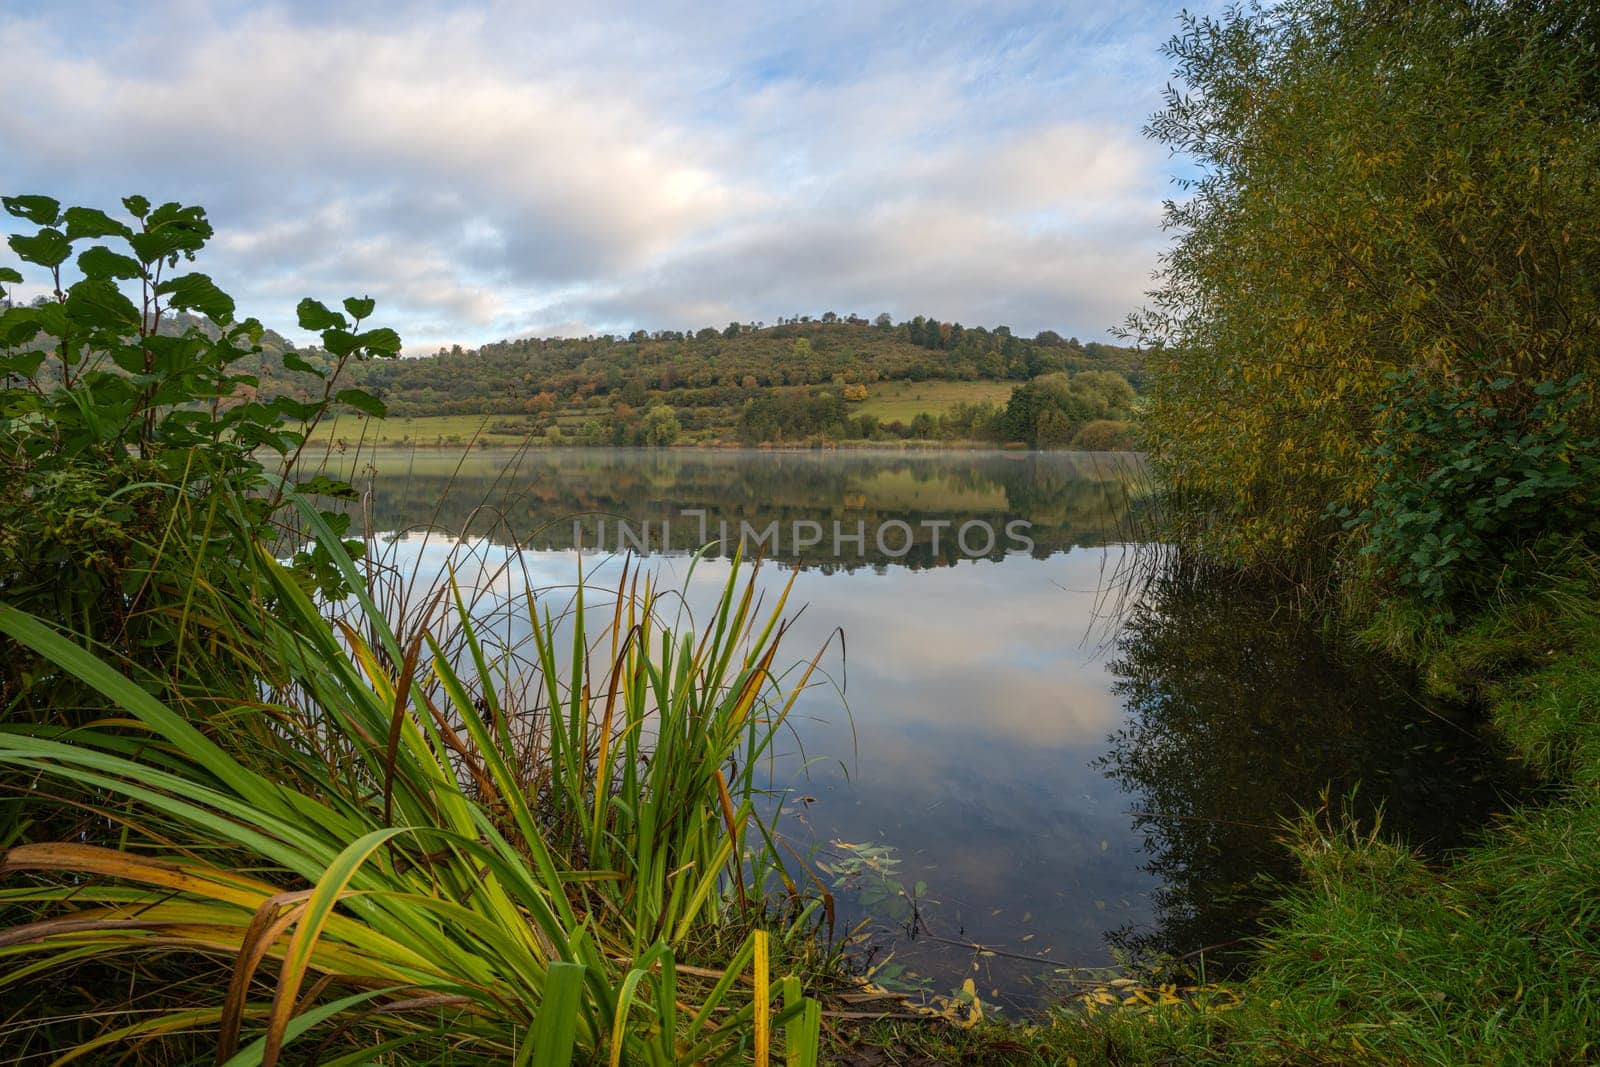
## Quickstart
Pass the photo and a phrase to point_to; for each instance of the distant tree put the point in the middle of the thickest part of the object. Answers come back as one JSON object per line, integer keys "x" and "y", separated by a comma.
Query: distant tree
{"x": 1054, "y": 429}
{"x": 660, "y": 426}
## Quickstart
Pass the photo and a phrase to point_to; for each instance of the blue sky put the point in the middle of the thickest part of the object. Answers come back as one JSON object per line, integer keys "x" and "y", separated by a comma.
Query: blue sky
{"x": 499, "y": 170}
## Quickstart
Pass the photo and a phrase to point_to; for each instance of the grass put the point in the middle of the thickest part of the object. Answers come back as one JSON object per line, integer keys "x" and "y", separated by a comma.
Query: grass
{"x": 421, "y": 859}
{"x": 425, "y": 431}
{"x": 904, "y": 401}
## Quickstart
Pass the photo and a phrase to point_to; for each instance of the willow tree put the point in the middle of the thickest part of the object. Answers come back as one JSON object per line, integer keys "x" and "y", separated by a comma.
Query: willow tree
{"x": 1378, "y": 187}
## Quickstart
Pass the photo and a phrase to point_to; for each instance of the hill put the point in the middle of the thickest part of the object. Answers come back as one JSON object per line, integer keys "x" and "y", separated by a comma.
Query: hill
{"x": 801, "y": 380}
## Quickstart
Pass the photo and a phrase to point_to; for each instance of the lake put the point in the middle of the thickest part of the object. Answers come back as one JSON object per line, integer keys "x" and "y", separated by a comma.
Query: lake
{"x": 1039, "y": 744}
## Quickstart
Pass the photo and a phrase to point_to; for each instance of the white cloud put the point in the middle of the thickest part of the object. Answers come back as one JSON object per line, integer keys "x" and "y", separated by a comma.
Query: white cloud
{"x": 502, "y": 169}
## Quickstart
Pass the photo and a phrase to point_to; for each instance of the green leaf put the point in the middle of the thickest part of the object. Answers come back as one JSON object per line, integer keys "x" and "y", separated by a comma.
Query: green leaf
{"x": 39, "y": 210}
{"x": 23, "y": 366}
{"x": 249, "y": 330}
{"x": 171, "y": 230}
{"x": 359, "y": 309}
{"x": 322, "y": 485}
{"x": 362, "y": 401}
{"x": 9, "y": 276}
{"x": 339, "y": 341}
{"x": 137, "y": 206}
{"x": 289, "y": 407}
{"x": 90, "y": 222}
{"x": 47, "y": 248}
{"x": 101, "y": 262}
{"x": 380, "y": 342}
{"x": 555, "y": 1031}
{"x": 52, "y": 318}
{"x": 197, "y": 292}
{"x": 18, "y": 325}
{"x": 314, "y": 315}
{"x": 99, "y": 304}
{"x": 295, "y": 363}
{"x": 174, "y": 727}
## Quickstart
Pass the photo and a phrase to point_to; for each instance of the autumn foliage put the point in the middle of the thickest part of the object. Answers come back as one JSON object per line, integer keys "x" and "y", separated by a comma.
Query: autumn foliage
{"x": 1385, "y": 188}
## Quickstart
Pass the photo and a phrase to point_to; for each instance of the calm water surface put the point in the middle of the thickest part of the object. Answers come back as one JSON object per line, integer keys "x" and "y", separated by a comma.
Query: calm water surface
{"x": 1056, "y": 764}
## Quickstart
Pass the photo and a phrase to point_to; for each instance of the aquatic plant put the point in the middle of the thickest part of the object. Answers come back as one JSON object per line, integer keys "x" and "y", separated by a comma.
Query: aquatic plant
{"x": 392, "y": 875}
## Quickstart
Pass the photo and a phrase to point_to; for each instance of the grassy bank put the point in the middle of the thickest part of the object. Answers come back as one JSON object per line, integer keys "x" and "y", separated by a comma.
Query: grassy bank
{"x": 1378, "y": 957}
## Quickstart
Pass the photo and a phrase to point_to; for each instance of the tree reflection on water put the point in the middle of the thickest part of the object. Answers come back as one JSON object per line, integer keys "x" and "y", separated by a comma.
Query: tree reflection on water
{"x": 1243, "y": 710}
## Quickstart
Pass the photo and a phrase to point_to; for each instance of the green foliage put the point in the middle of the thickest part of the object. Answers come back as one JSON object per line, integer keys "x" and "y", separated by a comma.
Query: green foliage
{"x": 660, "y": 426}
{"x": 208, "y": 779}
{"x": 708, "y": 377}
{"x": 1383, "y": 187}
{"x": 1468, "y": 475}
{"x": 1106, "y": 435}
{"x": 454, "y": 890}
{"x": 131, "y": 486}
{"x": 1050, "y": 411}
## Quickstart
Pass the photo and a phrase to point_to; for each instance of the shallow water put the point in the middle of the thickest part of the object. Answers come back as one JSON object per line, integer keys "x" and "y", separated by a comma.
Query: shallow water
{"x": 1057, "y": 762}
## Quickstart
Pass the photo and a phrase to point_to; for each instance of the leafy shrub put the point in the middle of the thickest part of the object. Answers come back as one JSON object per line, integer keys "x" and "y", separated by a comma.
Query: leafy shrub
{"x": 1468, "y": 473}
{"x": 1106, "y": 435}
{"x": 499, "y": 883}
{"x": 1048, "y": 411}
{"x": 131, "y": 491}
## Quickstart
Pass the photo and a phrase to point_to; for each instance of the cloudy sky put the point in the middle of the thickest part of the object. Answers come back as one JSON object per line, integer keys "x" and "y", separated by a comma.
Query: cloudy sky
{"x": 499, "y": 170}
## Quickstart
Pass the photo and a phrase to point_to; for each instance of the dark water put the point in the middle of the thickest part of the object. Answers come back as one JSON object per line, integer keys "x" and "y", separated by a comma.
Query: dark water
{"x": 1052, "y": 762}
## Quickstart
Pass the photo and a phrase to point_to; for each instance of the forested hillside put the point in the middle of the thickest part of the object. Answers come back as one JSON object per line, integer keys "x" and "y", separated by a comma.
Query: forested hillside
{"x": 803, "y": 379}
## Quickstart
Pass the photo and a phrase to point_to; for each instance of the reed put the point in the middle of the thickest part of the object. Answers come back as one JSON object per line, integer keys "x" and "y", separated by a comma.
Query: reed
{"x": 421, "y": 851}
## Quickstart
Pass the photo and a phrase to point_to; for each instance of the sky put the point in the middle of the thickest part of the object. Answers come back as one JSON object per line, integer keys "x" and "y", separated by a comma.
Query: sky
{"x": 528, "y": 169}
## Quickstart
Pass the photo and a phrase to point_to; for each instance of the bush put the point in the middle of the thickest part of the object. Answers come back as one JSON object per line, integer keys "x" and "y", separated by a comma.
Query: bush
{"x": 526, "y": 875}
{"x": 1106, "y": 435}
{"x": 131, "y": 492}
{"x": 1468, "y": 474}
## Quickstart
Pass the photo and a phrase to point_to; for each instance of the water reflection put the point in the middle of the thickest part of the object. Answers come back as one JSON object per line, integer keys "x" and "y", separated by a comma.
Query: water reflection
{"x": 1058, "y": 805}
{"x": 1242, "y": 711}
{"x": 678, "y": 499}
